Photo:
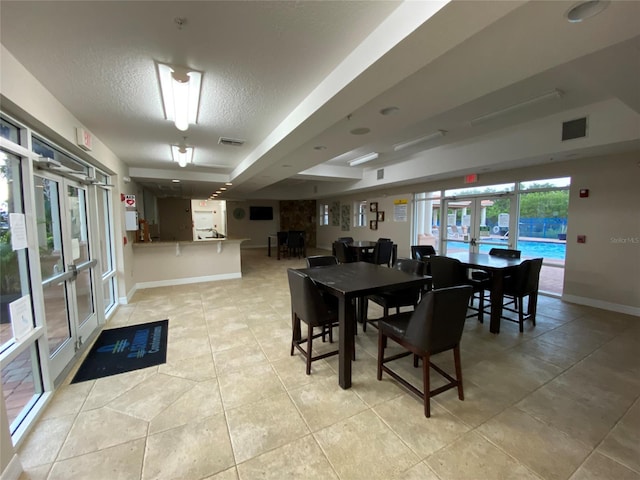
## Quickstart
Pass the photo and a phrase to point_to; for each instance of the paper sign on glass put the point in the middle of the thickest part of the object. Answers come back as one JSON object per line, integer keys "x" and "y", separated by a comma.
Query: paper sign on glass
{"x": 21, "y": 317}
{"x": 18, "y": 231}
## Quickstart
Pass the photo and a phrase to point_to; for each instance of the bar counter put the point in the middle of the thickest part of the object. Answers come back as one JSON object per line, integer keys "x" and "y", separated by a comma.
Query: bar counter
{"x": 165, "y": 263}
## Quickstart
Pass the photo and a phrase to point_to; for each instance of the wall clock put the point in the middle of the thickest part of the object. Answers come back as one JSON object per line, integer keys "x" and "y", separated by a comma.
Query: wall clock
{"x": 238, "y": 213}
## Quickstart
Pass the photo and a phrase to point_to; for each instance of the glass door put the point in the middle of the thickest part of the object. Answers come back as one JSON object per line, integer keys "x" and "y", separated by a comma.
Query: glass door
{"x": 67, "y": 267}
{"x": 478, "y": 224}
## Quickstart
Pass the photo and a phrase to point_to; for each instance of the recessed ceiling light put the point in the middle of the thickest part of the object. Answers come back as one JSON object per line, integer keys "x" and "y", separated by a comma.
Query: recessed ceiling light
{"x": 175, "y": 181}
{"x": 584, "y": 10}
{"x": 218, "y": 191}
{"x": 286, "y": 165}
{"x": 228, "y": 184}
{"x": 319, "y": 147}
{"x": 223, "y": 188}
{"x": 360, "y": 131}
{"x": 389, "y": 111}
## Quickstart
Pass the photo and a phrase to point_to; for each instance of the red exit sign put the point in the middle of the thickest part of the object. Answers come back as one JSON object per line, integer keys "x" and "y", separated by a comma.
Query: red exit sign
{"x": 471, "y": 178}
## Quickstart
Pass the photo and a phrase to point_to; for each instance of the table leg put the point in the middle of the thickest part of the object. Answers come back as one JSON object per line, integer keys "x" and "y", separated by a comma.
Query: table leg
{"x": 497, "y": 293}
{"x": 268, "y": 246}
{"x": 346, "y": 342}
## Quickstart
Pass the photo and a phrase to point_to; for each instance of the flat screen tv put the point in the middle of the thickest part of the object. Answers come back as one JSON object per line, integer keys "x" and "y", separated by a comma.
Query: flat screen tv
{"x": 260, "y": 213}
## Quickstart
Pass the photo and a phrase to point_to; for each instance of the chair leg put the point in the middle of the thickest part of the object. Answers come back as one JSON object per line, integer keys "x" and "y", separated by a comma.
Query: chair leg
{"x": 382, "y": 343}
{"x": 481, "y": 306}
{"x": 521, "y": 314}
{"x": 309, "y": 342}
{"x": 456, "y": 360}
{"x": 295, "y": 327}
{"x": 427, "y": 387}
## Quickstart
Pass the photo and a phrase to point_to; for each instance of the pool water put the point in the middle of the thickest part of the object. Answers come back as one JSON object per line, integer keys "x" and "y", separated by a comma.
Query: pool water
{"x": 530, "y": 249}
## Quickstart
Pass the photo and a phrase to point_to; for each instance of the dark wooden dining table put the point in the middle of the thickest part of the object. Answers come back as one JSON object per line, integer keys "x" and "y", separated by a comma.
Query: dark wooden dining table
{"x": 351, "y": 281}
{"x": 498, "y": 267}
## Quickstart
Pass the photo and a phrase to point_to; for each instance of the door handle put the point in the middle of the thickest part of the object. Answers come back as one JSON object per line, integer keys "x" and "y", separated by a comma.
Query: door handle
{"x": 73, "y": 270}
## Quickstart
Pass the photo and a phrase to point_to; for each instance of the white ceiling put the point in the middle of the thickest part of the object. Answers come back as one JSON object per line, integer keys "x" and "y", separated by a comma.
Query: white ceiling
{"x": 290, "y": 76}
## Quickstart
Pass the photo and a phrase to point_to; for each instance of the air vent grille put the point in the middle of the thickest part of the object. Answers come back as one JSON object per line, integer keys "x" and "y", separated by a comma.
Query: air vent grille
{"x": 574, "y": 129}
{"x": 234, "y": 142}
{"x": 380, "y": 173}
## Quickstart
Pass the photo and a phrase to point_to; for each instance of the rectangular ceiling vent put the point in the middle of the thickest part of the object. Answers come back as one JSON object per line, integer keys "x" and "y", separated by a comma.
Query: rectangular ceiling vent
{"x": 234, "y": 142}
{"x": 574, "y": 129}
{"x": 380, "y": 173}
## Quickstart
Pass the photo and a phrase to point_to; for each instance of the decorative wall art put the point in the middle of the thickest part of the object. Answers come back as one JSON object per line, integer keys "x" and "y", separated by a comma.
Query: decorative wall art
{"x": 380, "y": 217}
{"x": 345, "y": 224}
{"x": 373, "y": 224}
{"x": 373, "y": 207}
{"x": 335, "y": 214}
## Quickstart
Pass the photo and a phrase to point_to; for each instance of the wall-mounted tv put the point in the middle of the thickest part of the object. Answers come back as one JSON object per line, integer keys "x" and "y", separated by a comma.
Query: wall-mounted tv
{"x": 260, "y": 213}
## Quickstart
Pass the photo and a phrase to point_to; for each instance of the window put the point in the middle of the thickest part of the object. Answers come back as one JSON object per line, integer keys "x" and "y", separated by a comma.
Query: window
{"x": 105, "y": 236}
{"x": 360, "y": 214}
{"x": 324, "y": 214}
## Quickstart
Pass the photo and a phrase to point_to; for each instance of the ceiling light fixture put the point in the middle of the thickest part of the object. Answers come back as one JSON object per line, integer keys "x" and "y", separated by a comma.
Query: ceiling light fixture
{"x": 553, "y": 94}
{"x": 584, "y": 10}
{"x": 363, "y": 159}
{"x": 175, "y": 181}
{"x": 223, "y": 188}
{"x": 228, "y": 184}
{"x": 182, "y": 154}
{"x": 425, "y": 138}
{"x": 180, "y": 94}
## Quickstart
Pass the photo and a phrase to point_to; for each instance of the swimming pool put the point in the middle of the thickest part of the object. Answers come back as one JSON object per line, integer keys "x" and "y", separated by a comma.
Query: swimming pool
{"x": 533, "y": 249}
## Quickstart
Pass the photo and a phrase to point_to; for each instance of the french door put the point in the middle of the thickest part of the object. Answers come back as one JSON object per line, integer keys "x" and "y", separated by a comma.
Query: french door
{"x": 477, "y": 224}
{"x": 67, "y": 267}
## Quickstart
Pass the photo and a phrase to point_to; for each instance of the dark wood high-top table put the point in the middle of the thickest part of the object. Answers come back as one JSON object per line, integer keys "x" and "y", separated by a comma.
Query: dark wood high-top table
{"x": 349, "y": 281}
{"x": 499, "y": 267}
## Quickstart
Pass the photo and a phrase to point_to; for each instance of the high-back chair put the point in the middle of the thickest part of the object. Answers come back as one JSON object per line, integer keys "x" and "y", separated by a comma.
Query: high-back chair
{"x": 345, "y": 239}
{"x": 524, "y": 282}
{"x": 382, "y": 253}
{"x": 397, "y": 298}
{"x": 435, "y": 326}
{"x": 296, "y": 243}
{"x": 321, "y": 261}
{"x": 505, "y": 253}
{"x": 423, "y": 253}
{"x": 343, "y": 253}
{"x": 309, "y": 306}
{"x": 449, "y": 272}
{"x": 283, "y": 249}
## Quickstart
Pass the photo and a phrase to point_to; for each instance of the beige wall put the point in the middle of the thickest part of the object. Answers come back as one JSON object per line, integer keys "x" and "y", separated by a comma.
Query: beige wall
{"x": 607, "y": 266}
{"x": 604, "y": 272}
{"x": 256, "y": 231}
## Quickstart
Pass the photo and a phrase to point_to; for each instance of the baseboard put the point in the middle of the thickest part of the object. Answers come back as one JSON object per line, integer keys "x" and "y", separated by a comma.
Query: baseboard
{"x": 185, "y": 281}
{"x": 13, "y": 470}
{"x": 614, "y": 307}
{"x": 127, "y": 299}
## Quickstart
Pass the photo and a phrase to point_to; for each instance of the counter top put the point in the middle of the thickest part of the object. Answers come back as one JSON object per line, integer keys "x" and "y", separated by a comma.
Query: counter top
{"x": 172, "y": 243}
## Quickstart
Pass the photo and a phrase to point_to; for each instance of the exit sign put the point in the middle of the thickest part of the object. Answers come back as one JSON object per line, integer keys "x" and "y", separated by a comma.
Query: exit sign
{"x": 84, "y": 139}
{"x": 471, "y": 178}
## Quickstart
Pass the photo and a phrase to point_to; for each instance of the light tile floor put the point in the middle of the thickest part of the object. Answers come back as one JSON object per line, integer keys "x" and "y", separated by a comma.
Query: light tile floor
{"x": 560, "y": 401}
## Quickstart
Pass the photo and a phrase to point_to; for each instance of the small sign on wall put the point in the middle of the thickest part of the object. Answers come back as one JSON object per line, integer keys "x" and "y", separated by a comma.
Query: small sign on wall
{"x": 84, "y": 139}
{"x": 130, "y": 201}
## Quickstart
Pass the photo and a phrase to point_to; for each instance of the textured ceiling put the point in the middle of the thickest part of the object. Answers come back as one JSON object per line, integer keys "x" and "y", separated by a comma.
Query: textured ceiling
{"x": 290, "y": 76}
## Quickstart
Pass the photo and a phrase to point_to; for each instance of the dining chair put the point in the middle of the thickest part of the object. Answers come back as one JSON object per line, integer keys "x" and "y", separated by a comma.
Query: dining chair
{"x": 345, "y": 239}
{"x": 382, "y": 253}
{"x": 449, "y": 272}
{"x": 309, "y": 306}
{"x": 321, "y": 261}
{"x": 296, "y": 244}
{"x": 435, "y": 326}
{"x": 283, "y": 249}
{"x": 409, "y": 297}
{"x": 524, "y": 282}
{"x": 423, "y": 253}
{"x": 343, "y": 253}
